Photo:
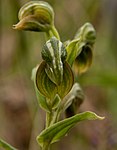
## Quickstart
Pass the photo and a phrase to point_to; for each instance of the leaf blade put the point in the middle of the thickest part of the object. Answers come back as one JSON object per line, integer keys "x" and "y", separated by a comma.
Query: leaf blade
{"x": 60, "y": 129}
{"x": 41, "y": 99}
{"x": 6, "y": 146}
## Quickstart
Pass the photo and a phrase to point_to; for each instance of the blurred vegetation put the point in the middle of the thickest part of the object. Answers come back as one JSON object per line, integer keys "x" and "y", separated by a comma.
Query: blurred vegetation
{"x": 20, "y": 118}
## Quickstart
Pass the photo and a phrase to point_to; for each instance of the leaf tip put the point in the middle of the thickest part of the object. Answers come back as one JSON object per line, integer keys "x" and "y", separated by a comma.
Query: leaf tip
{"x": 14, "y": 26}
{"x": 94, "y": 116}
{"x": 101, "y": 118}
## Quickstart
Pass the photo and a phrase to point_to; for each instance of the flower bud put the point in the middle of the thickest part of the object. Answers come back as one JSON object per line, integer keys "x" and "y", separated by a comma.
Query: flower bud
{"x": 87, "y": 33}
{"x": 48, "y": 88}
{"x": 54, "y": 53}
{"x": 80, "y": 49}
{"x": 73, "y": 100}
{"x": 84, "y": 60}
{"x": 35, "y": 16}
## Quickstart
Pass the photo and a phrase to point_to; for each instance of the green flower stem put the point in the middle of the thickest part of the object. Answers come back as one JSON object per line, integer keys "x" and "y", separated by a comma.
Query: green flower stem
{"x": 55, "y": 32}
{"x": 49, "y": 116}
{"x": 52, "y": 117}
{"x": 52, "y": 32}
{"x": 46, "y": 146}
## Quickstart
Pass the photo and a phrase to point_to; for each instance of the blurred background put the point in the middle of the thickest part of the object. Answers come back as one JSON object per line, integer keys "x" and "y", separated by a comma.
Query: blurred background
{"x": 21, "y": 119}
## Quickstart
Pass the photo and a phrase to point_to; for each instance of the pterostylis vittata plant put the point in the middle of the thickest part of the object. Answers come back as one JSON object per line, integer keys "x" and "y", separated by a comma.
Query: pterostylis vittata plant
{"x": 53, "y": 78}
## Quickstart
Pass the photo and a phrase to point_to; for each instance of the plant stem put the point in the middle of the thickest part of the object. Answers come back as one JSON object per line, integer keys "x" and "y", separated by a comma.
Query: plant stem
{"x": 55, "y": 32}
{"x": 52, "y": 117}
{"x": 48, "y": 119}
{"x": 46, "y": 146}
{"x": 52, "y": 32}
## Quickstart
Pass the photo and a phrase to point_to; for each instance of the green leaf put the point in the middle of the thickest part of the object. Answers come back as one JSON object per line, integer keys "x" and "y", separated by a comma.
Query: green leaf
{"x": 6, "y": 146}
{"x": 48, "y": 88}
{"x": 73, "y": 50}
{"x": 56, "y": 101}
{"x": 60, "y": 129}
{"x": 41, "y": 99}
